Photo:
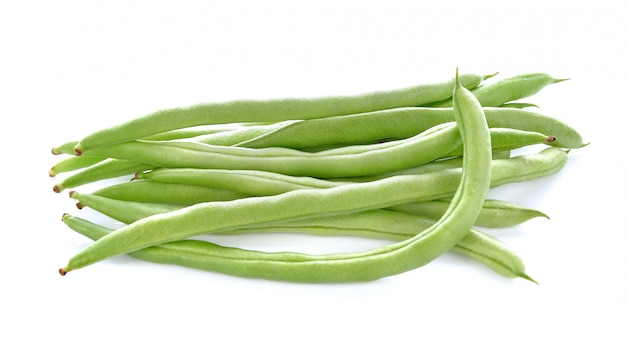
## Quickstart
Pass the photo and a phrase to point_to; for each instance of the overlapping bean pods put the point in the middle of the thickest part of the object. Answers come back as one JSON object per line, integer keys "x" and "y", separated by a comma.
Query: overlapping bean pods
{"x": 412, "y": 166}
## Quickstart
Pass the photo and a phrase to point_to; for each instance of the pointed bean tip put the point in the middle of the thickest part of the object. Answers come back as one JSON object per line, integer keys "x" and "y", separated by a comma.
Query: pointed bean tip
{"x": 490, "y": 75}
{"x": 526, "y": 277}
{"x": 52, "y": 172}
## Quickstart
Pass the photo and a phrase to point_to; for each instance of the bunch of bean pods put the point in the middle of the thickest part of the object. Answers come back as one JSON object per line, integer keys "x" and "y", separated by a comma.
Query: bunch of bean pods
{"x": 412, "y": 166}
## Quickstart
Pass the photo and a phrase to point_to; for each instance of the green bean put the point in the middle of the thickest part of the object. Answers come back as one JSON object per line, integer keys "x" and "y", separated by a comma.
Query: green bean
{"x": 73, "y": 163}
{"x": 250, "y": 182}
{"x": 340, "y": 162}
{"x": 130, "y": 211}
{"x": 391, "y": 225}
{"x": 476, "y": 245}
{"x": 403, "y": 123}
{"x": 364, "y": 128}
{"x": 190, "y": 132}
{"x": 509, "y": 89}
{"x": 494, "y": 214}
{"x": 519, "y": 105}
{"x": 369, "y": 265}
{"x": 271, "y": 110}
{"x": 542, "y": 163}
{"x": 103, "y": 170}
{"x": 510, "y": 139}
{"x": 168, "y": 193}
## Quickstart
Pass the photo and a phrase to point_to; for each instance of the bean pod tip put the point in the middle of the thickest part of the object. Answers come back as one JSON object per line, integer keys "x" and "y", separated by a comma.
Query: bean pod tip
{"x": 78, "y": 150}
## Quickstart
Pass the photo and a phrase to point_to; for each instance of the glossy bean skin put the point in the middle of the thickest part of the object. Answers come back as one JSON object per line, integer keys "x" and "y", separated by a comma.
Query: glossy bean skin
{"x": 476, "y": 244}
{"x": 340, "y": 162}
{"x": 364, "y": 266}
{"x": 271, "y": 110}
{"x": 509, "y": 89}
{"x": 403, "y": 123}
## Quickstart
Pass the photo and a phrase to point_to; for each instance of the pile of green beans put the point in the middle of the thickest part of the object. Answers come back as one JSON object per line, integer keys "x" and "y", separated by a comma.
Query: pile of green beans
{"x": 412, "y": 166}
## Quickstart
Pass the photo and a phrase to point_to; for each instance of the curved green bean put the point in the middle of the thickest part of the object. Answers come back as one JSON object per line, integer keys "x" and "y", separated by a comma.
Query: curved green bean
{"x": 370, "y": 265}
{"x": 271, "y": 110}
{"x": 476, "y": 244}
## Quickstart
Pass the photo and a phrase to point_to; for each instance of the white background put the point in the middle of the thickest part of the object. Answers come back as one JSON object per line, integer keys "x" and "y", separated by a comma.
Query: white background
{"x": 68, "y": 68}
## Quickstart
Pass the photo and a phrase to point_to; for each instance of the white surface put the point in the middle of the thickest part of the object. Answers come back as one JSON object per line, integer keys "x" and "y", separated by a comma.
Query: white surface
{"x": 70, "y": 67}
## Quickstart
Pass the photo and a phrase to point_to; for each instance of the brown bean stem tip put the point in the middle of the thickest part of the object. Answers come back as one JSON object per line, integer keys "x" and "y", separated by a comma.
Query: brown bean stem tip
{"x": 62, "y": 271}
{"x": 57, "y": 188}
{"x": 78, "y": 150}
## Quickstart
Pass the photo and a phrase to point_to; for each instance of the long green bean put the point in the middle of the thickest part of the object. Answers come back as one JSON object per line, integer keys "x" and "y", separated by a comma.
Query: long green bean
{"x": 271, "y": 110}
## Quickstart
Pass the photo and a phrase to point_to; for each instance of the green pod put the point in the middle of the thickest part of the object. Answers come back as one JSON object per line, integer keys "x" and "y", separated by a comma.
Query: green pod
{"x": 509, "y": 89}
{"x": 128, "y": 212}
{"x": 73, "y": 163}
{"x": 503, "y": 139}
{"x": 106, "y": 169}
{"x": 250, "y": 182}
{"x": 167, "y": 193}
{"x": 404, "y": 123}
{"x": 341, "y": 162}
{"x": 271, "y": 110}
{"x": 495, "y": 213}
